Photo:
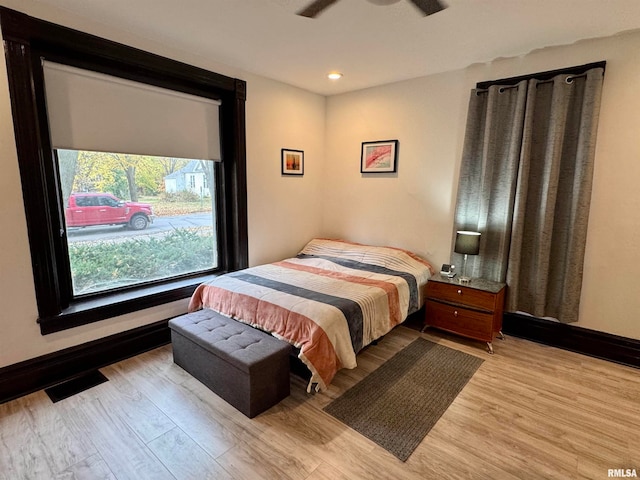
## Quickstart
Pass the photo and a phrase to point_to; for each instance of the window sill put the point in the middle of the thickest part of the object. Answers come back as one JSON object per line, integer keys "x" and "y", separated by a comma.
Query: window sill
{"x": 85, "y": 311}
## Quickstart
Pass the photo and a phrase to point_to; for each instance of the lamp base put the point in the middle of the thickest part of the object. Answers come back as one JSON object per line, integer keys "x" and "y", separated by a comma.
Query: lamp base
{"x": 463, "y": 278}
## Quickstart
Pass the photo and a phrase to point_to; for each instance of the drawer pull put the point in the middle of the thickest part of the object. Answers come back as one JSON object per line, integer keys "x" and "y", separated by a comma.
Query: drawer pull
{"x": 455, "y": 313}
{"x": 459, "y": 292}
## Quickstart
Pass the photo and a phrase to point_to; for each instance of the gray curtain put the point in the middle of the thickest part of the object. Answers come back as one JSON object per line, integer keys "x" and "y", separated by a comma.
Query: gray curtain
{"x": 486, "y": 190}
{"x": 525, "y": 184}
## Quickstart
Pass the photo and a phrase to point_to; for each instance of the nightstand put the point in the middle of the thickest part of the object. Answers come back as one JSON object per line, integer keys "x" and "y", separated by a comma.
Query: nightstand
{"x": 473, "y": 309}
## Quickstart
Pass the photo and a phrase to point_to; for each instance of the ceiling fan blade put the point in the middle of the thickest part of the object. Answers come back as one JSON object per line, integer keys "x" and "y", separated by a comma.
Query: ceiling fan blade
{"x": 429, "y": 7}
{"x": 315, "y": 8}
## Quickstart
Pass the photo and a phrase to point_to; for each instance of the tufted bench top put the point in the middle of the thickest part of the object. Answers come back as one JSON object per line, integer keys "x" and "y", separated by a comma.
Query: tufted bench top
{"x": 237, "y": 343}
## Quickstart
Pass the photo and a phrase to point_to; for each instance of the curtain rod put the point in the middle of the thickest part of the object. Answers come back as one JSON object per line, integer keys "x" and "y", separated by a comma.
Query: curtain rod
{"x": 568, "y": 80}
{"x": 548, "y": 75}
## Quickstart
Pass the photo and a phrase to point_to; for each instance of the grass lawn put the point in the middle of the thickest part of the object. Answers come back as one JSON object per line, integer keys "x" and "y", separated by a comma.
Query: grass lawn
{"x": 164, "y": 208}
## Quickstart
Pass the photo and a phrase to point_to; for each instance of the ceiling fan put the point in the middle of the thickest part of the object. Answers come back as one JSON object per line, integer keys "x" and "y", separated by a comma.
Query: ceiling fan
{"x": 428, "y": 7}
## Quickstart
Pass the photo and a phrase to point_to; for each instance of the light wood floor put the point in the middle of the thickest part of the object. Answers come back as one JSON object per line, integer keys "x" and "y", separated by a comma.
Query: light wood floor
{"x": 529, "y": 412}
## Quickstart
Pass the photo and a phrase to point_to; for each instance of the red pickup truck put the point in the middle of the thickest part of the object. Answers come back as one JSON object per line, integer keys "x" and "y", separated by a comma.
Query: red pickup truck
{"x": 85, "y": 209}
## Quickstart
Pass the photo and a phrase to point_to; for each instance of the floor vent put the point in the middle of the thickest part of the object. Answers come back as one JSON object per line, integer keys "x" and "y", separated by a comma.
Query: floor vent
{"x": 75, "y": 385}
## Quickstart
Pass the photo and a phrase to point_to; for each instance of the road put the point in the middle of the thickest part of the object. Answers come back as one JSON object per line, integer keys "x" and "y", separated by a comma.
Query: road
{"x": 160, "y": 224}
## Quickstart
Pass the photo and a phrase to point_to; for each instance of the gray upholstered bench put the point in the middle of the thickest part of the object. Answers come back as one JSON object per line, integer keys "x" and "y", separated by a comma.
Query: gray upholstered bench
{"x": 246, "y": 367}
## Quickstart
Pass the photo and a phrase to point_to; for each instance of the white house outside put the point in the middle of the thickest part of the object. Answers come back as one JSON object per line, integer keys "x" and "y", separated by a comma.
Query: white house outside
{"x": 191, "y": 178}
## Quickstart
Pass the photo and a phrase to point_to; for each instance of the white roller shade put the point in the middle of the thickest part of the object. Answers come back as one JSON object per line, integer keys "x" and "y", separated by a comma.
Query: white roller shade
{"x": 93, "y": 111}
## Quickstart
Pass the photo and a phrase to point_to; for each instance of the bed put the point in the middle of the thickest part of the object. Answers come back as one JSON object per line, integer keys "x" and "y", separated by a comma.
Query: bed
{"x": 330, "y": 301}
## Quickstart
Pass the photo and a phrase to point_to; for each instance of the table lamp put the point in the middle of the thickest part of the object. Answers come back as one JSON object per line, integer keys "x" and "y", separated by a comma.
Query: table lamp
{"x": 467, "y": 243}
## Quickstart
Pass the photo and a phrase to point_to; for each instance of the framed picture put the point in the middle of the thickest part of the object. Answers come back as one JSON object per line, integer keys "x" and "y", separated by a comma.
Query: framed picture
{"x": 379, "y": 157}
{"x": 292, "y": 162}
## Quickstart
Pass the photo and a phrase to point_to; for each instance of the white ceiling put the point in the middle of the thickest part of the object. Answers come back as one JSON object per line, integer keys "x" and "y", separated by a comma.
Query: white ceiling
{"x": 371, "y": 45}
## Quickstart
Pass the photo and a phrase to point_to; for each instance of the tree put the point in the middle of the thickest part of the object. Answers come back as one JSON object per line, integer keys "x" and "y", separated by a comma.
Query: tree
{"x": 130, "y": 171}
{"x": 125, "y": 175}
{"x": 99, "y": 172}
{"x": 67, "y": 166}
{"x": 150, "y": 174}
{"x": 170, "y": 165}
{"x": 129, "y": 164}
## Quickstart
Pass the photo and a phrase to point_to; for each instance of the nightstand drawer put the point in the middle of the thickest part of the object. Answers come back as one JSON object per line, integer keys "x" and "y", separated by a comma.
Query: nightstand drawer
{"x": 462, "y": 295}
{"x": 465, "y": 322}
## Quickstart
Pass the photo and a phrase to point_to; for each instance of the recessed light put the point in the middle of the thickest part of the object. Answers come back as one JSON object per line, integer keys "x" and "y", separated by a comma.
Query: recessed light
{"x": 334, "y": 75}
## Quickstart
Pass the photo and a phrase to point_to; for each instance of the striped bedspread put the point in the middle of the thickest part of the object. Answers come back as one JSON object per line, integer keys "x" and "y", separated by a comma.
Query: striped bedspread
{"x": 330, "y": 301}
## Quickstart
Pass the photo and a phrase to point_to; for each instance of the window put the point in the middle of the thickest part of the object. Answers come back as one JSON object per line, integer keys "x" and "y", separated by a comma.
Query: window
{"x": 61, "y": 66}
{"x": 131, "y": 234}
{"x": 108, "y": 202}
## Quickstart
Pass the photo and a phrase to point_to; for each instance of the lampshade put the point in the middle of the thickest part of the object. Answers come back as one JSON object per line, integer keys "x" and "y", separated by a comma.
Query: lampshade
{"x": 467, "y": 243}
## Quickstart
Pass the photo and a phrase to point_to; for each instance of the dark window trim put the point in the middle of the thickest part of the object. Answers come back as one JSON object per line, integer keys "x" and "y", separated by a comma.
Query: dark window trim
{"x": 27, "y": 41}
{"x": 577, "y": 70}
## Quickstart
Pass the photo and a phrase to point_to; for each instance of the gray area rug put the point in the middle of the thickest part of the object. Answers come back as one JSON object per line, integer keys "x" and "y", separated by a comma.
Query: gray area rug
{"x": 397, "y": 404}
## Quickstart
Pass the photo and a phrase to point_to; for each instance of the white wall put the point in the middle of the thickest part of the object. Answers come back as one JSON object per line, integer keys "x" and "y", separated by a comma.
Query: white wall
{"x": 411, "y": 209}
{"x": 414, "y": 209}
{"x": 283, "y": 212}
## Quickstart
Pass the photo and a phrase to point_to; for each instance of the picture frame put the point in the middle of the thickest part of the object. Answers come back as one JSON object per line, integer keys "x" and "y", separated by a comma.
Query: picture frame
{"x": 379, "y": 157}
{"x": 292, "y": 162}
